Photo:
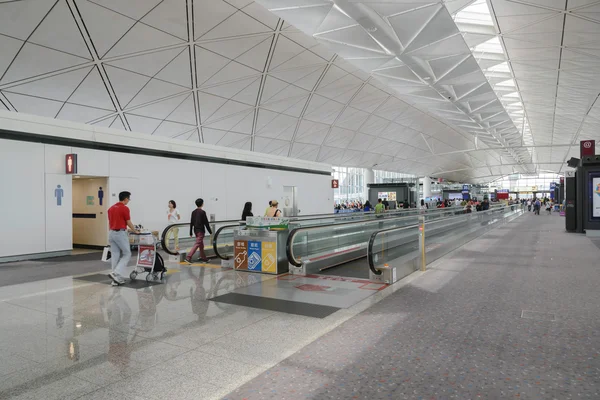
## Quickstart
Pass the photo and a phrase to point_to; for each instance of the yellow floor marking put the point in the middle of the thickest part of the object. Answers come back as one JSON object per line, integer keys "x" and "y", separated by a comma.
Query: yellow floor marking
{"x": 200, "y": 265}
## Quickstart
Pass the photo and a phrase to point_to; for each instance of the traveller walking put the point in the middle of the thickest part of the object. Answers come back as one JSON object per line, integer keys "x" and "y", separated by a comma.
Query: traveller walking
{"x": 198, "y": 225}
{"x": 119, "y": 219}
{"x": 268, "y": 208}
{"x": 529, "y": 205}
{"x": 537, "y": 206}
{"x": 273, "y": 211}
{"x": 247, "y": 212}
{"x": 368, "y": 206}
{"x": 173, "y": 217}
{"x": 379, "y": 208}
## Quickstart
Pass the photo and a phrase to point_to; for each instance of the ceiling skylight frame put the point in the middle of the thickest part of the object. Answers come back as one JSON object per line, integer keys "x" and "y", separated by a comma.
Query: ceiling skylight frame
{"x": 478, "y": 13}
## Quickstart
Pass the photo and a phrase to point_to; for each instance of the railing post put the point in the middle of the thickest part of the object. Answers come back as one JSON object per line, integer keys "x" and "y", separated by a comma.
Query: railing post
{"x": 422, "y": 242}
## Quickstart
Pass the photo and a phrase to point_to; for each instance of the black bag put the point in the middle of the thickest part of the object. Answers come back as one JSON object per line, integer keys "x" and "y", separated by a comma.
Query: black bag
{"x": 159, "y": 263}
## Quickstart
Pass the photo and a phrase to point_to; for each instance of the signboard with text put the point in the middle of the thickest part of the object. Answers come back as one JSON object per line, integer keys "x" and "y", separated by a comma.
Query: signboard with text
{"x": 240, "y": 255}
{"x": 269, "y": 257}
{"x": 335, "y": 183}
{"x": 254, "y": 256}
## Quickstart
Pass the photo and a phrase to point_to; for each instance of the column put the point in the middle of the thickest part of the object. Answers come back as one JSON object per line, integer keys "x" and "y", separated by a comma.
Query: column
{"x": 426, "y": 187}
{"x": 369, "y": 178}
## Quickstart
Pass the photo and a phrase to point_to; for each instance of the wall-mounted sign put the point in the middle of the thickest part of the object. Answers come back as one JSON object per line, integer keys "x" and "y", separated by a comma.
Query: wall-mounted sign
{"x": 89, "y": 201}
{"x": 71, "y": 164}
{"x": 335, "y": 183}
{"x": 587, "y": 148}
{"x": 382, "y": 195}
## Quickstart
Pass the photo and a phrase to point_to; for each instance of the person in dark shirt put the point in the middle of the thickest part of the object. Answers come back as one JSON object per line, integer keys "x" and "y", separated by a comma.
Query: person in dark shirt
{"x": 197, "y": 226}
{"x": 247, "y": 212}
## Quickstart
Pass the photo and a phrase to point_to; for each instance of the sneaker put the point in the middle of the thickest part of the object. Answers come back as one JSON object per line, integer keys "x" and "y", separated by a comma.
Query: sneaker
{"x": 113, "y": 283}
{"x": 114, "y": 277}
{"x": 205, "y": 260}
{"x": 188, "y": 261}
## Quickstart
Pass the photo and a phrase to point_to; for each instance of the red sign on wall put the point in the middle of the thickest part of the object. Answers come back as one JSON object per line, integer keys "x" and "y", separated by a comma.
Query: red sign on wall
{"x": 71, "y": 164}
{"x": 587, "y": 148}
{"x": 335, "y": 183}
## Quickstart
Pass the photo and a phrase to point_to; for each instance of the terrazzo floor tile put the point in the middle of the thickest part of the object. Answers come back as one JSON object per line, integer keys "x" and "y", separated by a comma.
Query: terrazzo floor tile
{"x": 165, "y": 385}
{"x": 456, "y": 332}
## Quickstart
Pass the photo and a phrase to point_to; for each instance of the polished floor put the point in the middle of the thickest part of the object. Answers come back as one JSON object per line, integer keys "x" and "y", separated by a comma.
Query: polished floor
{"x": 75, "y": 336}
{"x": 513, "y": 314}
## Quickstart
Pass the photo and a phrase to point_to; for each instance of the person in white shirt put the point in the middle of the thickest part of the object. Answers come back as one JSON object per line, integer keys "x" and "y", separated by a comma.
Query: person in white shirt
{"x": 173, "y": 217}
{"x": 529, "y": 205}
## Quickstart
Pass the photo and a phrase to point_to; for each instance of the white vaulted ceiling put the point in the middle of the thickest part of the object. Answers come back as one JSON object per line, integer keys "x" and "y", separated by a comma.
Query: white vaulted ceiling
{"x": 401, "y": 85}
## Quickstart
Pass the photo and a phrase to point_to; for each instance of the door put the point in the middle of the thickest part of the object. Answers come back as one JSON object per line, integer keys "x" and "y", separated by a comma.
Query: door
{"x": 90, "y": 222}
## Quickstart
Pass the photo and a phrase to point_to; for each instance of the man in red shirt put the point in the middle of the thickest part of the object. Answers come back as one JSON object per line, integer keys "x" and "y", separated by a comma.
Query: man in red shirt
{"x": 119, "y": 219}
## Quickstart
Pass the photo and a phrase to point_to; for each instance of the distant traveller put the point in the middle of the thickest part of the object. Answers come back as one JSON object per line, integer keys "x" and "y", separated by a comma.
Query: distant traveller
{"x": 268, "y": 208}
{"x": 386, "y": 204}
{"x": 273, "y": 211}
{"x": 247, "y": 212}
{"x": 198, "y": 225}
{"x": 119, "y": 218}
{"x": 173, "y": 217}
{"x": 368, "y": 206}
{"x": 379, "y": 208}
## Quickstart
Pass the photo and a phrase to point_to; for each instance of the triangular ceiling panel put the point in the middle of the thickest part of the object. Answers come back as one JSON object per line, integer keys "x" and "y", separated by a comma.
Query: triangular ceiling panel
{"x": 169, "y": 16}
{"x": 56, "y": 87}
{"x": 34, "y": 105}
{"x": 77, "y": 113}
{"x": 97, "y": 18}
{"x": 148, "y": 64}
{"x": 140, "y": 38}
{"x": 59, "y": 31}
{"x": 92, "y": 92}
{"x": 27, "y": 63}
{"x": 125, "y": 84}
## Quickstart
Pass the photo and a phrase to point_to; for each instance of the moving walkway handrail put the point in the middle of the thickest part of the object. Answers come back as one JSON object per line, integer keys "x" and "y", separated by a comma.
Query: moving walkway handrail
{"x": 298, "y": 218}
{"x": 304, "y": 218}
{"x": 215, "y": 237}
{"x": 383, "y": 231}
{"x": 163, "y": 236}
{"x": 386, "y": 216}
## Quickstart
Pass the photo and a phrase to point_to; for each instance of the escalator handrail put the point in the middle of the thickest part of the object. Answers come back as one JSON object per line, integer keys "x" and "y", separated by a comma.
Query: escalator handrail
{"x": 215, "y": 237}
{"x": 375, "y": 234}
{"x": 288, "y": 246}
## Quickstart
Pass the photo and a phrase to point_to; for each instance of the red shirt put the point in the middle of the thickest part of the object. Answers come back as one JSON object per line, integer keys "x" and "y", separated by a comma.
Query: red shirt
{"x": 118, "y": 215}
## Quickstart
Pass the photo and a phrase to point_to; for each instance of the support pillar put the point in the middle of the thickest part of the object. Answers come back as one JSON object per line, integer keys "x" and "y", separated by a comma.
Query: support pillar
{"x": 426, "y": 187}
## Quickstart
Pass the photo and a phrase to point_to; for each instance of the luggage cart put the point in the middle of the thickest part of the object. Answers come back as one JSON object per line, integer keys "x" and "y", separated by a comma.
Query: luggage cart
{"x": 148, "y": 259}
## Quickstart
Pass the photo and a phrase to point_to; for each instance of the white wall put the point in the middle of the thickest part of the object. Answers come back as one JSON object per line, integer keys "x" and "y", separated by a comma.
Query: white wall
{"x": 33, "y": 223}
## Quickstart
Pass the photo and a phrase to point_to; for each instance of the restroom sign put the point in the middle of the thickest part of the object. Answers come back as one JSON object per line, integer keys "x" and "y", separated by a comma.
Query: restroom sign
{"x": 71, "y": 164}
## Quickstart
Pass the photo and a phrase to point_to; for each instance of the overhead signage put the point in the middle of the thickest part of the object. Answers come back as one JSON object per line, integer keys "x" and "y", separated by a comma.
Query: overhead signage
{"x": 71, "y": 164}
{"x": 335, "y": 183}
{"x": 552, "y": 185}
{"x": 587, "y": 148}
